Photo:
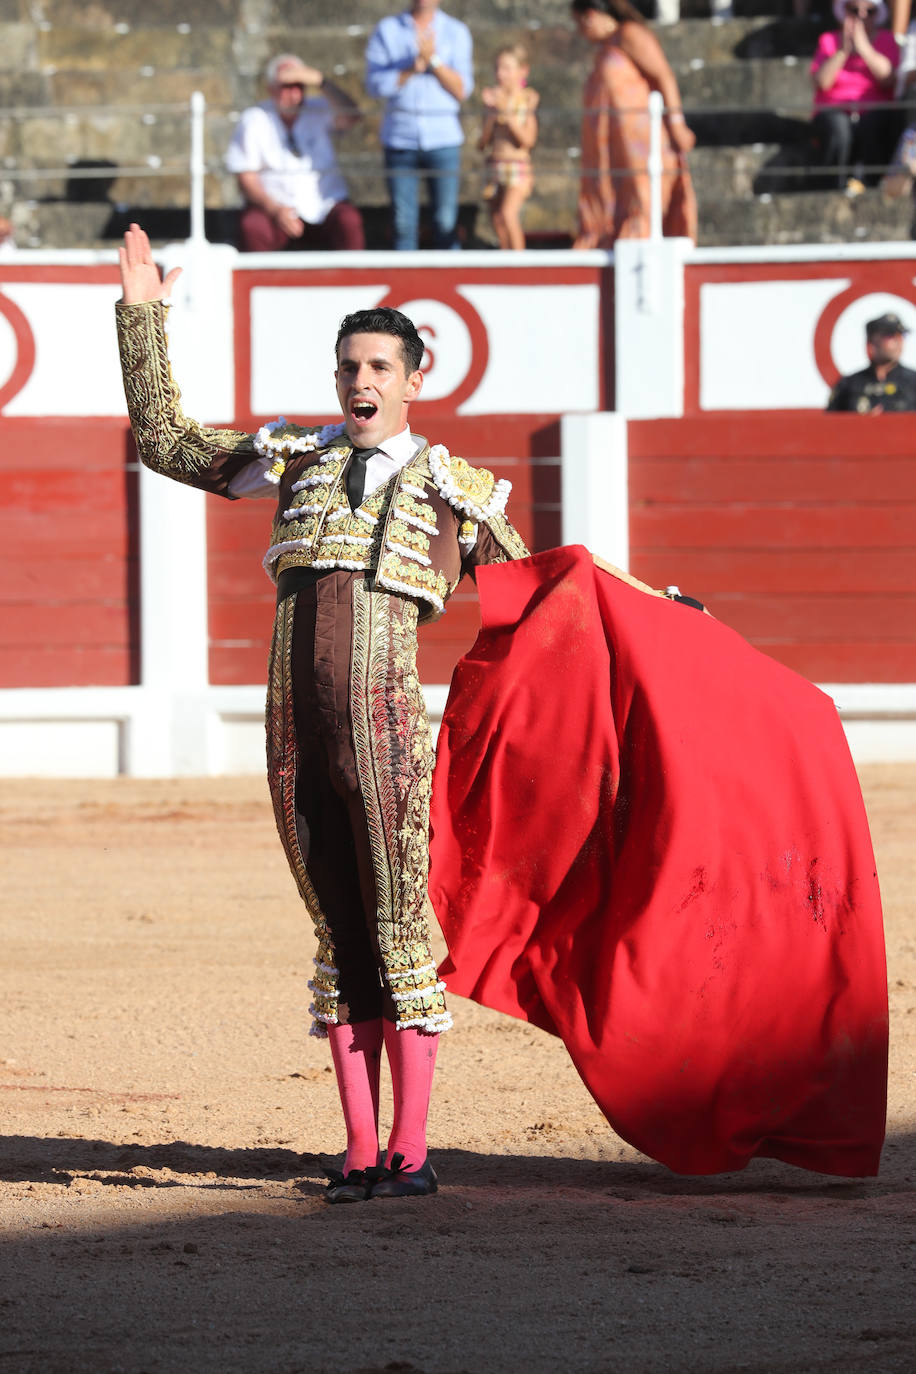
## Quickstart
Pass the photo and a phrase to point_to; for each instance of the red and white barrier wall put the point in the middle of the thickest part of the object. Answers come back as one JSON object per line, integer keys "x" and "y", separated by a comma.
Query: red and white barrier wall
{"x": 665, "y": 409}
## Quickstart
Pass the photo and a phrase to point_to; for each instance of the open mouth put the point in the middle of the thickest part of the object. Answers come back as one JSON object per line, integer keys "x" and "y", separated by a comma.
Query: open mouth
{"x": 363, "y": 411}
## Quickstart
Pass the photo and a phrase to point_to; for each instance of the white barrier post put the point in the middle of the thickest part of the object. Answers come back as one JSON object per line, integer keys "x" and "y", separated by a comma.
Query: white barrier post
{"x": 649, "y": 323}
{"x": 594, "y": 485}
{"x": 198, "y": 167}
{"x": 656, "y": 113}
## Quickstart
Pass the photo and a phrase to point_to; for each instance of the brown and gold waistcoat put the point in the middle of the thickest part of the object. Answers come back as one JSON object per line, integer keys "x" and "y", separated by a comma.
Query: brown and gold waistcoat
{"x": 404, "y": 533}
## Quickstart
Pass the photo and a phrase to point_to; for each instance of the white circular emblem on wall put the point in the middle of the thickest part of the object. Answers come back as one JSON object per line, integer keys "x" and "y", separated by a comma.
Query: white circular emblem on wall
{"x": 449, "y": 348}
{"x": 847, "y": 343}
{"x": 9, "y": 350}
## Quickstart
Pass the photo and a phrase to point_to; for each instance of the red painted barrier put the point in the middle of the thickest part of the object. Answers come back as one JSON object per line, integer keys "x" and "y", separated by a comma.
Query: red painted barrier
{"x": 797, "y": 528}
{"x": 69, "y": 606}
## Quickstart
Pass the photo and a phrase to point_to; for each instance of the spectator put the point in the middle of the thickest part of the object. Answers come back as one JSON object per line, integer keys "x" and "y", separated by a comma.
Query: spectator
{"x": 509, "y": 133}
{"x": 902, "y": 173}
{"x": 852, "y": 69}
{"x": 905, "y": 38}
{"x": 614, "y": 198}
{"x": 287, "y": 171}
{"x": 900, "y": 17}
{"x": 885, "y": 385}
{"x": 421, "y": 63}
{"x": 7, "y": 242}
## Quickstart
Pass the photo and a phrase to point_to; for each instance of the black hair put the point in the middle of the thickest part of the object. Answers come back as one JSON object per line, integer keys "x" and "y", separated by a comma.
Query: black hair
{"x": 621, "y": 10}
{"x": 384, "y": 320}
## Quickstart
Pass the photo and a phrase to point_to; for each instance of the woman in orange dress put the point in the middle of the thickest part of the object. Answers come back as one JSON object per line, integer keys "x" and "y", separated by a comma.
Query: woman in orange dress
{"x": 614, "y": 196}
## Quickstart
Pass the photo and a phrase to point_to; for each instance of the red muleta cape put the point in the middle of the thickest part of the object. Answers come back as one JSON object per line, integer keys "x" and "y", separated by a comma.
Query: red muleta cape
{"x": 649, "y": 839}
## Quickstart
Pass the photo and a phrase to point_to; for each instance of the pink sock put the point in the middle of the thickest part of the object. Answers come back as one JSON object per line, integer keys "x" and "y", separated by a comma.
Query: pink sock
{"x": 412, "y": 1057}
{"x": 357, "y": 1054}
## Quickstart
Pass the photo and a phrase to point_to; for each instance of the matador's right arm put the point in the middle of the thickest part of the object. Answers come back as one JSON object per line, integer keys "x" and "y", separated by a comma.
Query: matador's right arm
{"x": 167, "y": 441}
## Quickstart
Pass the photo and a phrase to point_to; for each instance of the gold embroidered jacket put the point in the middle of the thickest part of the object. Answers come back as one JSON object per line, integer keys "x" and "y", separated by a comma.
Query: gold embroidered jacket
{"x": 413, "y": 538}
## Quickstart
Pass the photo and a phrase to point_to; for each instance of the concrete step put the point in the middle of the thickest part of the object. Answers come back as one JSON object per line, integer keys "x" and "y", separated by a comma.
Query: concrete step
{"x": 739, "y": 39}
{"x": 82, "y": 63}
{"x": 143, "y": 58}
{"x": 764, "y": 84}
{"x": 284, "y": 15}
{"x": 257, "y": 16}
{"x": 744, "y": 218}
{"x": 729, "y": 173}
{"x": 754, "y": 169}
{"x": 808, "y": 217}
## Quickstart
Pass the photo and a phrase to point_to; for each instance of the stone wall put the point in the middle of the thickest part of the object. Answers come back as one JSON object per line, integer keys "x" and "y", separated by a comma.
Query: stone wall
{"x": 96, "y": 95}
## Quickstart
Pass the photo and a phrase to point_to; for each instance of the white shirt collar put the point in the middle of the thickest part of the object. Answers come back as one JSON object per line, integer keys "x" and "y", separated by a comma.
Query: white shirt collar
{"x": 394, "y": 453}
{"x": 400, "y": 448}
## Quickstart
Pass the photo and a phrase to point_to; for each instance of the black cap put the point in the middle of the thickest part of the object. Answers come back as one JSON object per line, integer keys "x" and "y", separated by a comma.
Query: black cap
{"x": 885, "y": 324}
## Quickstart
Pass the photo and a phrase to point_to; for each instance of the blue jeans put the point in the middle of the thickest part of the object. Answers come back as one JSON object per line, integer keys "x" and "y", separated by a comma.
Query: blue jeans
{"x": 442, "y": 167}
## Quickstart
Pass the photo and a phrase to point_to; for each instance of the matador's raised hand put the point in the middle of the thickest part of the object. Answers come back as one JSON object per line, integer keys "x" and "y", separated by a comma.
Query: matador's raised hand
{"x": 140, "y": 278}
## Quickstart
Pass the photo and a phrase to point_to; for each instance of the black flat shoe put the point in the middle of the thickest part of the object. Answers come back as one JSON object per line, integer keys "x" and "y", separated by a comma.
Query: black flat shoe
{"x": 397, "y": 1182}
{"x": 356, "y": 1186}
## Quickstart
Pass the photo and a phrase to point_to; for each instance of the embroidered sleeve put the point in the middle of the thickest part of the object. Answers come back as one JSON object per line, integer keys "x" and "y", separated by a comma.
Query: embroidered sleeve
{"x": 496, "y": 542}
{"x": 508, "y": 539}
{"x": 167, "y": 441}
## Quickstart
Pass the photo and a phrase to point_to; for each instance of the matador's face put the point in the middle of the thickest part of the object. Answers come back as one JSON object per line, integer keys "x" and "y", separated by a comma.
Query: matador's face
{"x": 374, "y": 387}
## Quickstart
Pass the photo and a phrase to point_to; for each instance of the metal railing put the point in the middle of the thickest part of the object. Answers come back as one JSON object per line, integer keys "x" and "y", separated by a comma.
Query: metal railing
{"x": 196, "y": 167}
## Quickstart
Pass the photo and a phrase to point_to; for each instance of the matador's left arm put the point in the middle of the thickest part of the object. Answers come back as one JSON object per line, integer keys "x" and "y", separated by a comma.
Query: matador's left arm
{"x": 167, "y": 441}
{"x": 497, "y": 541}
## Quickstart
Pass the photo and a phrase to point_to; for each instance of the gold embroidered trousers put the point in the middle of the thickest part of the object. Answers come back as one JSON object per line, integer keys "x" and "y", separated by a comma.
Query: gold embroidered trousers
{"x": 350, "y": 763}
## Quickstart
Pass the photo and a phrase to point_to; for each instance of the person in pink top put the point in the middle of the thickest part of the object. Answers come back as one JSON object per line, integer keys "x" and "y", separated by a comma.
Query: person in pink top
{"x": 853, "y": 76}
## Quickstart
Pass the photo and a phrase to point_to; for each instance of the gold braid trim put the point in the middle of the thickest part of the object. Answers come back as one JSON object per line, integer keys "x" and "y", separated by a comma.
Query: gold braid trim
{"x": 167, "y": 441}
{"x": 507, "y": 537}
{"x": 282, "y": 767}
{"x": 368, "y": 671}
{"x": 394, "y": 759}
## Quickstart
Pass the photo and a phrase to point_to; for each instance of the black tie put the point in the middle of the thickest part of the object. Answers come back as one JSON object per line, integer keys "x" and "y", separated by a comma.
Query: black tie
{"x": 356, "y": 475}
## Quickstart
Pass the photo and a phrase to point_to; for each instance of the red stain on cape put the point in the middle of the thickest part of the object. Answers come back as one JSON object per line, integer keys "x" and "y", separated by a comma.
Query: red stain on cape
{"x": 649, "y": 839}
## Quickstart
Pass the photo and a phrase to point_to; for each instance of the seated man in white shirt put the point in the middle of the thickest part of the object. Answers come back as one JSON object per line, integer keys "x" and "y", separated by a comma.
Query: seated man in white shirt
{"x": 283, "y": 155}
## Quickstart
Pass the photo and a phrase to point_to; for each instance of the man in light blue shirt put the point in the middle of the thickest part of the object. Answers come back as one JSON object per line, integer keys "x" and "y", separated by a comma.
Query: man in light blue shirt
{"x": 421, "y": 62}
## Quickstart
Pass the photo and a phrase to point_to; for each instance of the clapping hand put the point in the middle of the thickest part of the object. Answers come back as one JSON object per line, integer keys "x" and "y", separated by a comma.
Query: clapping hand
{"x": 426, "y": 46}
{"x": 847, "y": 34}
{"x": 860, "y": 39}
{"x": 140, "y": 277}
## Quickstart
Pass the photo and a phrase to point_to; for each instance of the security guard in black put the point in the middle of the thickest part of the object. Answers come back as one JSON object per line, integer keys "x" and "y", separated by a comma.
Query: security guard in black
{"x": 885, "y": 385}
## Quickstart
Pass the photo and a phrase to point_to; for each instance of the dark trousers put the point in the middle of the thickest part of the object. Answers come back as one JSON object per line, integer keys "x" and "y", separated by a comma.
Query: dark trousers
{"x": 343, "y": 229}
{"x": 332, "y": 823}
{"x": 848, "y": 142}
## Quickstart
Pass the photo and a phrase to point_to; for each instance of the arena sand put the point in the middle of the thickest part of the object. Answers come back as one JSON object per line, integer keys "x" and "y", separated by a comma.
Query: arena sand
{"x": 166, "y": 1115}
